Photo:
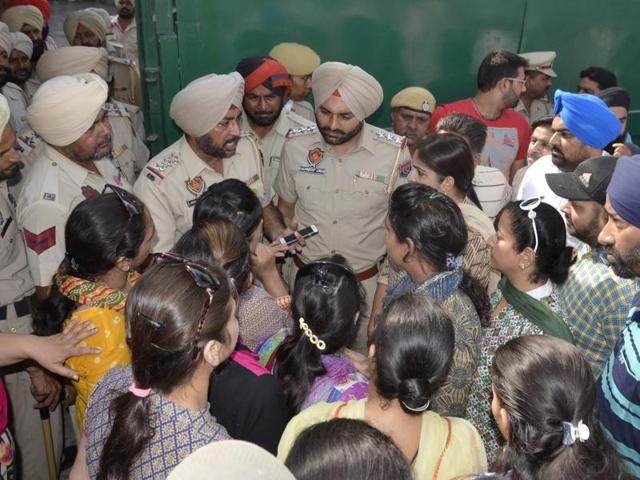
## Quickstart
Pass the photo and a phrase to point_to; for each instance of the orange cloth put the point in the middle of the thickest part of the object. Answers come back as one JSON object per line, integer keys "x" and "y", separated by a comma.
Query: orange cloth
{"x": 111, "y": 339}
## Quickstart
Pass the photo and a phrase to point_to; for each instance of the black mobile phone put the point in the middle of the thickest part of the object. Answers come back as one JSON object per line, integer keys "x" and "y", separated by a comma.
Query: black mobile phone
{"x": 310, "y": 231}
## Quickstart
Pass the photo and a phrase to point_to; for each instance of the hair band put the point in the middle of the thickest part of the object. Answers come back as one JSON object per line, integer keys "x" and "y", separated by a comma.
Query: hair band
{"x": 139, "y": 392}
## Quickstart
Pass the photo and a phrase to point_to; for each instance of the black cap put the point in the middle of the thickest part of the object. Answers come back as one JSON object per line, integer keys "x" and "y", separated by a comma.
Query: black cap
{"x": 587, "y": 183}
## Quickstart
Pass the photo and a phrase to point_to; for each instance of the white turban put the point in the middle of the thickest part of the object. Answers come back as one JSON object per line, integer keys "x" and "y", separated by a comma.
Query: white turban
{"x": 22, "y": 43}
{"x": 200, "y": 106}
{"x": 106, "y": 18}
{"x": 65, "y": 107}
{"x": 360, "y": 91}
{"x": 5, "y": 39}
{"x": 5, "y": 113}
{"x": 15, "y": 17}
{"x": 90, "y": 19}
{"x": 71, "y": 61}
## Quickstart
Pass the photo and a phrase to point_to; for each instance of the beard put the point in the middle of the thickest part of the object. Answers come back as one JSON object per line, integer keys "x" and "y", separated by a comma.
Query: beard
{"x": 264, "y": 118}
{"x": 5, "y": 74}
{"x": 624, "y": 265}
{"x": 19, "y": 77}
{"x": 38, "y": 50}
{"x": 588, "y": 234}
{"x": 212, "y": 149}
{"x": 12, "y": 172}
{"x": 559, "y": 160}
{"x": 339, "y": 137}
{"x": 126, "y": 13}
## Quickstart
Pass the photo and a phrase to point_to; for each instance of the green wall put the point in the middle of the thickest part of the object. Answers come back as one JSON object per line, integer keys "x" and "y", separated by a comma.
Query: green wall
{"x": 435, "y": 43}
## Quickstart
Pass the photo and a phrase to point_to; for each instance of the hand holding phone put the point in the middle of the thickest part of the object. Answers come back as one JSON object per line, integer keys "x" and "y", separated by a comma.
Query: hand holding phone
{"x": 310, "y": 231}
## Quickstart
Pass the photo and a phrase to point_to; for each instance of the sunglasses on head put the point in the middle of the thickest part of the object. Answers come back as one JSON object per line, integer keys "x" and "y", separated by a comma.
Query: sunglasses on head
{"x": 530, "y": 206}
{"x": 201, "y": 277}
{"x": 130, "y": 203}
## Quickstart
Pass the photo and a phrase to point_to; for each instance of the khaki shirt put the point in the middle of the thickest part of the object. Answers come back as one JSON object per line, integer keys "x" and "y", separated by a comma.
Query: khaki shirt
{"x": 345, "y": 197}
{"x": 15, "y": 278}
{"x": 540, "y": 107}
{"x": 127, "y": 38}
{"x": 53, "y": 186}
{"x": 273, "y": 142}
{"x": 173, "y": 180}
{"x": 17, "y": 100}
{"x": 129, "y": 154}
{"x": 303, "y": 109}
{"x": 125, "y": 80}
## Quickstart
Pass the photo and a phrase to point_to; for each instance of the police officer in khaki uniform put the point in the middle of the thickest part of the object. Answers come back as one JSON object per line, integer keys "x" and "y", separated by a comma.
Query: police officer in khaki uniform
{"x": 411, "y": 110}
{"x": 68, "y": 113}
{"x": 266, "y": 88}
{"x": 129, "y": 153}
{"x": 212, "y": 148}
{"x": 300, "y": 62}
{"x": 16, "y": 290}
{"x": 534, "y": 102}
{"x": 339, "y": 176}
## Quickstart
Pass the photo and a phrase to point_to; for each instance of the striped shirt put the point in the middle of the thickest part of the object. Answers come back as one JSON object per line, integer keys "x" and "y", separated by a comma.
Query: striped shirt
{"x": 619, "y": 393}
{"x": 596, "y": 302}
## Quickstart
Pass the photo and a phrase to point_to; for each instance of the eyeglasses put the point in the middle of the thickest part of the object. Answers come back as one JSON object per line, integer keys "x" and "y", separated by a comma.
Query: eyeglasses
{"x": 202, "y": 278}
{"x": 515, "y": 79}
{"x": 529, "y": 206}
{"x": 129, "y": 202}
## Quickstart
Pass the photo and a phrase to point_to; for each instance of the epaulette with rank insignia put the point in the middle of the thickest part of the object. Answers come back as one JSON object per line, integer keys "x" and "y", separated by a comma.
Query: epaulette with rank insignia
{"x": 161, "y": 166}
{"x": 295, "y": 132}
{"x": 388, "y": 137}
{"x": 114, "y": 110}
{"x": 27, "y": 141}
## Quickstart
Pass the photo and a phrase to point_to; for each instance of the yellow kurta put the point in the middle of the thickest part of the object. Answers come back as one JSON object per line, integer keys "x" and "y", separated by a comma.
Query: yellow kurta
{"x": 111, "y": 339}
{"x": 465, "y": 454}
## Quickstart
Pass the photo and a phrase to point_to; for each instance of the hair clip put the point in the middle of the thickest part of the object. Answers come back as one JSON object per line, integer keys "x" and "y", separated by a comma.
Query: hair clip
{"x": 72, "y": 261}
{"x": 454, "y": 262}
{"x": 319, "y": 344}
{"x": 436, "y": 196}
{"x": 571, "y": 433}
{"x": 154, "y": 323}
{"x": 422, "y": 408}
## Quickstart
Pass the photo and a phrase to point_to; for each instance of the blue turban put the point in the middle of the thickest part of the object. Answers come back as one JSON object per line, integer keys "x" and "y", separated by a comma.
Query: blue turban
{"x": 587, "y": 117}
{"x": 623, "y": 189}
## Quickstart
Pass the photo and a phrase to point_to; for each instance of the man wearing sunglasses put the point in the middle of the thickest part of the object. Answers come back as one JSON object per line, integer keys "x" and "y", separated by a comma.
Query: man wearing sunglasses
{"x": 208, "y": 110}
{"x": 74, "y": 164}
{"x": 619, "y": 391}
{"x": 501, "y": 81}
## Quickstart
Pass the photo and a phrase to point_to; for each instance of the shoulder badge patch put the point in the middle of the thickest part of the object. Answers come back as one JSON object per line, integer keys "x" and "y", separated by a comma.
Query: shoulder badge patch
{"x": 296, "y": 132}
{"x": 42, "y": 241}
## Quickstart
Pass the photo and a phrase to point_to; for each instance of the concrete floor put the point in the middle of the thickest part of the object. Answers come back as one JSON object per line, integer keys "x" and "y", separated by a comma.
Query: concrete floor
{"x": 62, "y": 8}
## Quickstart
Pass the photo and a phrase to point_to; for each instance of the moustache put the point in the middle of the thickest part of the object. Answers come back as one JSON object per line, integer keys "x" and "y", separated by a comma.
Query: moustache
{"x": 334, "y": 132}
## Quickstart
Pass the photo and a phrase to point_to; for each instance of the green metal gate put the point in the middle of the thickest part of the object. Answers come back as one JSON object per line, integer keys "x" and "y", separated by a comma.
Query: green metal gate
{"x": 435, "y": 43}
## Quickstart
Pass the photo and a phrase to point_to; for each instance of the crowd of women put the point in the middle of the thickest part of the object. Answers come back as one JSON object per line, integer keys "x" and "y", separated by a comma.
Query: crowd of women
{"x": 204, "y": 344}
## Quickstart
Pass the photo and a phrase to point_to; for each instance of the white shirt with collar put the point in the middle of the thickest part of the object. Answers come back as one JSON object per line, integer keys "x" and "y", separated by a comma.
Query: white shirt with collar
{"x": 53, "y": 186}
{"x": 15, "y": 278}
{"x": 173, "y": 180}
